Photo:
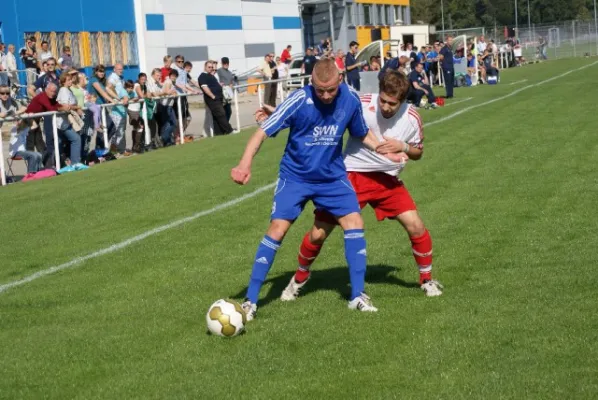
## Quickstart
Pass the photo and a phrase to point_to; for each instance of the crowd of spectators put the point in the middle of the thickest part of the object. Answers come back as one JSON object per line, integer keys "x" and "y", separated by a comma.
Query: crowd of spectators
{"x": 53, "y": 83}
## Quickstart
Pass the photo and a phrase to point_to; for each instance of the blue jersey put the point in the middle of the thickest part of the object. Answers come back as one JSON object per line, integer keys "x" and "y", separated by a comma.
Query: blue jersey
{"x": 314, "y": 151}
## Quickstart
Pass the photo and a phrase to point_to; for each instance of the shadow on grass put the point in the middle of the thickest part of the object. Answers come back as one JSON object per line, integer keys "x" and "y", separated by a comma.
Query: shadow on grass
{"x": 336, "y": 279}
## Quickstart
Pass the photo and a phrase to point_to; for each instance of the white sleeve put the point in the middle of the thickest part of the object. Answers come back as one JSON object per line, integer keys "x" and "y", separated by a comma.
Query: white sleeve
{"x": 63, "y": 96}
{"x": 416, "y": 136}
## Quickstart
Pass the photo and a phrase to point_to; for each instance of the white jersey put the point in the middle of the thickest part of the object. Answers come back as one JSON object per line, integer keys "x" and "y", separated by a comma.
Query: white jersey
{"x": 405, "y": 125}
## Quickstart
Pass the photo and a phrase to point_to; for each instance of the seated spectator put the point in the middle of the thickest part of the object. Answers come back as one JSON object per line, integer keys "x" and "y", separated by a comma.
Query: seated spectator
{"x": 420, "y": 88}
{"x": 491, "y": 70}
{"x": 66, "y": 59}
{"x": 67, "y": 100}
{"x": 8, "y": 106}
{"x": 18, "y": 141}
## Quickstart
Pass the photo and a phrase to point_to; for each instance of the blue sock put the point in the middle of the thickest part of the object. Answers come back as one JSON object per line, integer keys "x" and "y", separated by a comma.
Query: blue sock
{"x": 264, "y": 258}
{"x": 355, "y": 253}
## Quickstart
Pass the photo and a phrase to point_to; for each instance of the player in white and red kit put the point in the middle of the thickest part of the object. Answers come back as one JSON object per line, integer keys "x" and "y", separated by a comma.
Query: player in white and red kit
{"x": 375, "y": 178}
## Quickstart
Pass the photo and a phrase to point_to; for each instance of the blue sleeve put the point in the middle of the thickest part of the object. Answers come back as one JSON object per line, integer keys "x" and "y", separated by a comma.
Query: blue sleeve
{"x": 357, "y": 125}
{"x": 283, "y": 115}
{"x": 39, "y": 82}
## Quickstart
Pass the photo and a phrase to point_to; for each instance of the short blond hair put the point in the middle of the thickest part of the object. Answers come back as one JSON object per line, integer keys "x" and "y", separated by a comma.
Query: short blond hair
{"x": 325, "y": 70}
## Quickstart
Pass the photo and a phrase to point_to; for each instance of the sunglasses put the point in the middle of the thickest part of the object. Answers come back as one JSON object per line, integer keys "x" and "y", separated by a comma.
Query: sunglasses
{"x": 51, "y": 65}
{"x": 179, "y": 61}
{"x": 3, "y": 93}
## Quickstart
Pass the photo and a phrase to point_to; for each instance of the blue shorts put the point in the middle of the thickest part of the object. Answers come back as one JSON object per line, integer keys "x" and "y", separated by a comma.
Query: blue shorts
{"x": 336, "y": 197}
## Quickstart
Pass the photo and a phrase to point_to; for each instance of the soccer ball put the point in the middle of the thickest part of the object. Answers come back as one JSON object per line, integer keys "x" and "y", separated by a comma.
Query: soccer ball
{"x": 226, "y": 318}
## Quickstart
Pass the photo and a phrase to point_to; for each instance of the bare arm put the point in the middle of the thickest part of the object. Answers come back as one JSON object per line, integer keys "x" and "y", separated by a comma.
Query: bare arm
{"x": 242, "y": 172}
{"x": 102, "y": 92}
{"x": 207, "y": 91}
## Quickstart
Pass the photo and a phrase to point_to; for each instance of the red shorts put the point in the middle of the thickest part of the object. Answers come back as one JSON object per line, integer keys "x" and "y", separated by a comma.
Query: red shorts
{"x": 387, "y": 195}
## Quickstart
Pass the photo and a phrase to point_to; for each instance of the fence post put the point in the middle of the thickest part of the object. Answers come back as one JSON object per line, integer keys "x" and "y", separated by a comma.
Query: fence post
{"x": 2, "y": 170}
{"x": 574, "y": 41}
{"x": 105, "y": 130}
{"x": 148, "y": 137}
{"x": 56, "y": 147}
{"x": 181, "y": 127}
{"x": 237, "y": 118}
{"x": 259, "y": 96}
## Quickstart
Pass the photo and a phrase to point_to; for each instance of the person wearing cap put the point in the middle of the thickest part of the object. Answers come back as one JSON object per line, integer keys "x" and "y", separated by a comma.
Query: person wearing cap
{"x": 226, "y": 79}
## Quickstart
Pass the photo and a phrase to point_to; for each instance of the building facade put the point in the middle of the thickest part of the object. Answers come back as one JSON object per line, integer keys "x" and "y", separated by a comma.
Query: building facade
{"x": 361, "y": 20}
{"x": 139, "y": 33}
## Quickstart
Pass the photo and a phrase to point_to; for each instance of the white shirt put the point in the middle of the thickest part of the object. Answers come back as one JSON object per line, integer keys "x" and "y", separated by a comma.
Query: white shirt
{"x": 45, "y": 55}
{"x": 282, "y": 70}
{"x": 481, "y": 47}
{"x": 168, "y": 102}
{"x": 11, "y": 62}
{"x": 18, "y": 140}
{"x": 115, "y": 81}
{"x": 405, "y": 125}
{"x": 66, "y": 98}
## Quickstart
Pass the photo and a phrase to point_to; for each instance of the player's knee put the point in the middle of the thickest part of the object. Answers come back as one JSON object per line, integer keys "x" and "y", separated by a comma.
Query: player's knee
{"x": 278, "y": 229}
{"x": 415, "y": 227}
{"x": 317, "y": 235}
{"x": 351, "y": 221}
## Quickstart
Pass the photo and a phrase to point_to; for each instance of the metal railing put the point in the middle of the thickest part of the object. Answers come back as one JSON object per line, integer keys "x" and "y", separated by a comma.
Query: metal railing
{"x": 178, "y": 97}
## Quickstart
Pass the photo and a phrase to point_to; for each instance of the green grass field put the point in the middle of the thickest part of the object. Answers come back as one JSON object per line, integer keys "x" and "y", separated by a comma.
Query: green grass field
{"x": 508, "y": 190}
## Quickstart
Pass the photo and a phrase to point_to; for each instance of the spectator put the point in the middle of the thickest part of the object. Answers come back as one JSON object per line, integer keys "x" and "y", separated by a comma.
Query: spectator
{"x": 273, "y": 85}
{"x": 165, "y": 71}
{"x": 420, "y": 88}
{"x": 29, "y": 57}
{"x": 45, "y": 54}
{"x": 308, "y": 64}
{"x": 447, "y": 64}
{"x": 166, "y": 111}
{"x": 92, "y": 116}
{"x": 340, "y": 62}
{"x": 213, "y": 98}
{"x": 488, "y": 61}
{"x": 43, "y": 102}
{"x": 352, "y": 66}
{"x": 285, "y": 57}
{"x": 374, "y": 65}
{"x": 153, "y": 90}
{"x": 18, "y": 141}
{"x": 118, "y": 114}
{"x": 49, "y": 77}
{"x": 66, "y": 60}
{"x": 3, "y": 68}
{"x": 11, "y": 65}
{"x": 481, "y": 47}
{"x": 266, "y": 70}
{"x": 8, "y": 106}
{"x": 67, "y": 100}
{"x": 134, "y": 113}
{"x": 227, "y": 80}
{"x": 97, "y": 85}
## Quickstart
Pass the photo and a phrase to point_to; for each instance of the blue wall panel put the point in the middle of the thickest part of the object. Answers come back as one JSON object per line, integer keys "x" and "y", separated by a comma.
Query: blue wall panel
{"x": 224, "y": 22}
{"x": 286, "y": 22}
{"x": 154, "y": 22}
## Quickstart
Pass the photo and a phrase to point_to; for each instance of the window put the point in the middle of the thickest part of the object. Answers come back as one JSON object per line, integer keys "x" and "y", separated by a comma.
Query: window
{"x": 398, "y": 13}
{"x": 350, "y": 16}
{"x": 367, "y": 17}
{"x": 381, "y": 20}
{"x": 389, "y": 15}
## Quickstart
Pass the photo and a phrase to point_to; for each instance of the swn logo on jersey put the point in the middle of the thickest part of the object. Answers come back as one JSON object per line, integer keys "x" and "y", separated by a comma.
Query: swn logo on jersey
{"x": 325, "y": 130}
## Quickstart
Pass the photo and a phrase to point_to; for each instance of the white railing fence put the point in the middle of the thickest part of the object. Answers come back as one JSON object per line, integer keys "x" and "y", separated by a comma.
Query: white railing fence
{"x": 290, "y": 83}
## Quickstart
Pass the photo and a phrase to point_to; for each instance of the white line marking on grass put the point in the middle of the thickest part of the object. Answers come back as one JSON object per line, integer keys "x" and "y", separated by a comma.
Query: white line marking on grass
{"x": 515, "y": 83}
{"x": 460, "y": 101}
{"x": 134, "y": 239}
{"x": 220, "y": 207}
{"x": 506, "y": 96}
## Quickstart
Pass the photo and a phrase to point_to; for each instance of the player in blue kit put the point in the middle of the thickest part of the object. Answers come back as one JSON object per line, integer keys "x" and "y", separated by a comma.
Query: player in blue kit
{"x": 312, "y": 168}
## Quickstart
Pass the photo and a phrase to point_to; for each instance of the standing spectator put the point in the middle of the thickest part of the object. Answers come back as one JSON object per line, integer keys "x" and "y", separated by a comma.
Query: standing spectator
{"x": 227, "y": 80}
{"x": 447, "y": 63}
{"x": 481, "y": 45}
{"x": 285, "y": 57}
{"x": 116, "y": 89}
{"x": 213, "y": 98}
{"x": 97, "y": 85}
{"x": 134, "y": 113}
{"x": 66, "y": 59}
{"x": 308, "y": 64}
{"x": 165, "y": 71}
{"x": 49, "y": 77}
{"x": 8, "y": 106}
{"x": 274, "y": 85}
{"x": 166, "y": 111}
{"x": 45, "y": 53}
{"x": 91, "y": 117}
{"x": 11, "y": 65}
{"x": 340, "y": 62}
{"x": 67, "y": 100}
{"x": 266, "y": 71}
{"x": 3, "y": 68}
{"x": 18, "y": 141}
{"x": 153, "y": 90}
{"x": 420, "y": 88}
{"x": 352, "y": 66}
{"x": 29, "y": 57}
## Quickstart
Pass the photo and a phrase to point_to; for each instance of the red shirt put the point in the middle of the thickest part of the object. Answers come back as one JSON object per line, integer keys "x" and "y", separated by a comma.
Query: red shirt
{"x": 164, "y": 74}
{"x": 340, "y": 64}
{"x": 42, "y": 103}
{"x": 285, "y": 56}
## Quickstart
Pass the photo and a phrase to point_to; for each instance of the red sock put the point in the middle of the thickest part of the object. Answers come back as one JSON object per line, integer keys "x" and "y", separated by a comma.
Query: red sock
{"x": 306, "y": 257}
{"x": 422, "y": 252}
